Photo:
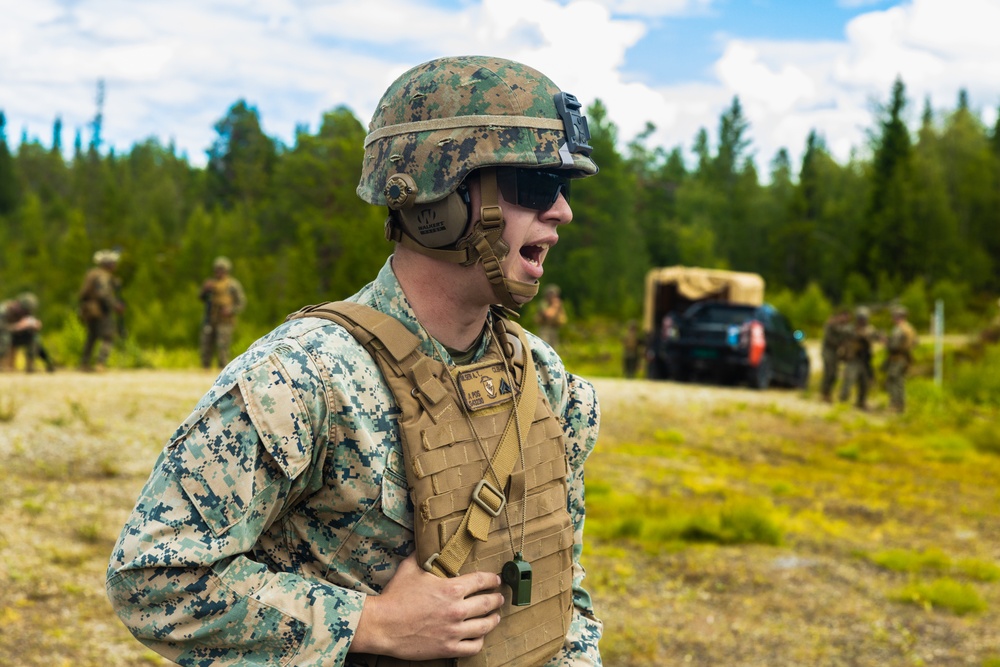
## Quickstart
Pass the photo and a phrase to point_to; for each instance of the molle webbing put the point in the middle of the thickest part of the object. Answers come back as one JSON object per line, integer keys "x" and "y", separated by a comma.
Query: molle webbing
{"x": 446, "y": 464}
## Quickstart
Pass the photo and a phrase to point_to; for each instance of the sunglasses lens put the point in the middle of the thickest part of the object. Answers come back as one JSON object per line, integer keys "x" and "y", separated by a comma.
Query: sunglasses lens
{"x": 536, "y": 189}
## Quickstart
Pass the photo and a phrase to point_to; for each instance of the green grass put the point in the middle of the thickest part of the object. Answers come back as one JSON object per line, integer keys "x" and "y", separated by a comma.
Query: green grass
{"x": 903, "y": 560}
{"x": 8, "y": 408}
{"x": 957, "y": 598}
{"x": 658, "y": 522}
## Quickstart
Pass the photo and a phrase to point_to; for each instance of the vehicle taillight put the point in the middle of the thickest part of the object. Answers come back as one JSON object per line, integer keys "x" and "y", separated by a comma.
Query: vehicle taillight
{"x": 669, "y": 329}
{"x": 757, "y": 343}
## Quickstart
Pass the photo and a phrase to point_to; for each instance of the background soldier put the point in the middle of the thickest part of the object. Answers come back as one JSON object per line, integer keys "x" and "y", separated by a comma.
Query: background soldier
{"x": 861, "y": 337}
{"x": 347, "y": 493}
{"x": 631, "y": 349}
{"x": 23, "y": 330}
{"x": 4, "y": 336}
{"x": 899, "y": 349}
{"x": 224, "y": 300}
{"x": 835, "y": 334}
{"x": 99, "y": 307}
{"x": 551, "y": 316}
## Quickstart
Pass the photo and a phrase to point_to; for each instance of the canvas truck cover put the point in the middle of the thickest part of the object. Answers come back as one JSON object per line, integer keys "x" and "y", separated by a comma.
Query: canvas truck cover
{"x": 673, "y": 288}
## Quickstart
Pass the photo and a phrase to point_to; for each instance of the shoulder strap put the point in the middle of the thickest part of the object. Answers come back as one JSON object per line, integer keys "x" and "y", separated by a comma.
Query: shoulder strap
{"x": 393, "y": 346}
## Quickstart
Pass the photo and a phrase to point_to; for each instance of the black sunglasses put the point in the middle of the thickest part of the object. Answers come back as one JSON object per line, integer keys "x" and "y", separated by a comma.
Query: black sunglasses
{"x": 537, "y": 189}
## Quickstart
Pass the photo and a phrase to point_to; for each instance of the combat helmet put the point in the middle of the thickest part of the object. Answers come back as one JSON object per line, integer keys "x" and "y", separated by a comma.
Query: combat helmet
{"x": 223, "y": 264}
{"x": 105, "y": 257}
{"x": 28, "y": 301}
{"x": 443, "y": 120}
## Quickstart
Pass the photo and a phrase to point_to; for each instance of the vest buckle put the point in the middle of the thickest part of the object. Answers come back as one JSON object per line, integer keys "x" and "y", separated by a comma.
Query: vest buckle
{"x": 492, "y": 506}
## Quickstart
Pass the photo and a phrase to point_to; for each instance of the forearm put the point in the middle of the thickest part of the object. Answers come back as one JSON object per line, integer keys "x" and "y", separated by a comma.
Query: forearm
{"x": 236, "y": 612}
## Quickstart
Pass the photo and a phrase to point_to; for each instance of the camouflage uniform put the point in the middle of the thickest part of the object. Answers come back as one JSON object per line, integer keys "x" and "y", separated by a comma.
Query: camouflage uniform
{"x": 280, "y": 502}
{"x": 5, "y": 336}
{"x": 835, "y": 334}
{"x": 224, "y": 300}
{"x": 99, "y": 306}
{"x": 899, "y": 348}
{"x": 860, "y": 340}
{"x": 631, "y": 349}
{"x": 22, "y": 330}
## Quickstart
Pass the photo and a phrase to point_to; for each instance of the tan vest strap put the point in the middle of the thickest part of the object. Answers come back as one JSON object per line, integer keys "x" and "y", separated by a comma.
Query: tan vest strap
{"x": 488, "y": 500}
{"x": 397, "y": 340}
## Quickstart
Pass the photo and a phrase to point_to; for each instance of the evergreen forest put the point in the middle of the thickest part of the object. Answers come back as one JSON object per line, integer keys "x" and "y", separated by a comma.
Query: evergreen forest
{"x": 913, "y": 216}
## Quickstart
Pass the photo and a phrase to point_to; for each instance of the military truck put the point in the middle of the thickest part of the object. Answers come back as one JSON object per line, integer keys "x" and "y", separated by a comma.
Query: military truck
{"x": 671, "y": 290}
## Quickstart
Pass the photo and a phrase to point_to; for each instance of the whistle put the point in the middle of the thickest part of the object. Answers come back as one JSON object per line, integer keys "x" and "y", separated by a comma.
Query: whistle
{"x": 517, "y": 574}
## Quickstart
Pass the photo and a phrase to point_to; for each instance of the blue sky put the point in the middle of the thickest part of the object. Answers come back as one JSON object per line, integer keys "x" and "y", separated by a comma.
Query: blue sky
{"x": 173, "y": 67}
{"x": 698, "y": 38}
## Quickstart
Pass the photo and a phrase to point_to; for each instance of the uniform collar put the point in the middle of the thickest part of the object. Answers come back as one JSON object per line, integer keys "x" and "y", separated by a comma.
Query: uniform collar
{"x": 386, "y": 295}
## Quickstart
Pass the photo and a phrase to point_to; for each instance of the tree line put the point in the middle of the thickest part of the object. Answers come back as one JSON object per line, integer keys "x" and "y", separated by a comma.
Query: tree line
{"x": 914, "y": 213}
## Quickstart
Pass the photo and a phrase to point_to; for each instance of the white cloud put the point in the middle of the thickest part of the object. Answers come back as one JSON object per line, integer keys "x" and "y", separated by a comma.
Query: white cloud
{"x": 789, "y": 88}
{"x": 656, "y": 8}
{"x": 172, "y": 68}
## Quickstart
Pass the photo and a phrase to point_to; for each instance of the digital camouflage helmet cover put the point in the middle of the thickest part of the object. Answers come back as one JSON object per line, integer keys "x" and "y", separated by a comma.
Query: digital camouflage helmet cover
{"x": 445, "y": 119}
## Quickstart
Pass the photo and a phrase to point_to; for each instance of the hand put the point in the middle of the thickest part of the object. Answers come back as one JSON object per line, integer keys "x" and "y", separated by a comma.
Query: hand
{"x": 420, "y": 616}
{"x": 27, "y": 323}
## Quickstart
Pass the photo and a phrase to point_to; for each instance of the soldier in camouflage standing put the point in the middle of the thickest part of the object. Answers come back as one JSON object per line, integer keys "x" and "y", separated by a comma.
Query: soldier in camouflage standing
{"x": 551, "y": 316}
{"x": 396, "y": 478}
{"x": 835, "y": 333}
{"x": 224, "y": 300}
{"x": 99, "y": 305}
{"x": 899, "y": 350}
{"x": 858, "y": 346}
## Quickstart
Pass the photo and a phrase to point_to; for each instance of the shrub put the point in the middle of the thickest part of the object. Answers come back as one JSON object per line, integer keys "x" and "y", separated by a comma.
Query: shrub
{"x": 943, "y": 593}
{"x": 914, "y": 297}
{"x": 979, "y": 383}
{"x": 735, "y": 524}
{"x": 978, "y": 569}
{"x": 902, "y": 560}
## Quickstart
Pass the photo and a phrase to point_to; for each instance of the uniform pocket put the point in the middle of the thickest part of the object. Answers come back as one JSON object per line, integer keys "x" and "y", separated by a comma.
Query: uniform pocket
{"x": 225, "y": 469}
{"x": 395, "y": 492}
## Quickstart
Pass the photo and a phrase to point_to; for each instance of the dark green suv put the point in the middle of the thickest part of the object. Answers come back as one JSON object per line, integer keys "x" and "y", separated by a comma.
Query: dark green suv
{"x": 730, "y": 342}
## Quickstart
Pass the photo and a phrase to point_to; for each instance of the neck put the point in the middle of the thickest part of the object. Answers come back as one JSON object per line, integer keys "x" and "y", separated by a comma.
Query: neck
{"x": 447, "y": 299}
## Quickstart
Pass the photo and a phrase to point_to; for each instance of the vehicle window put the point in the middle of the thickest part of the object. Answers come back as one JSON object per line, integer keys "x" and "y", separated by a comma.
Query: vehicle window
{"x": 727, "y": 315}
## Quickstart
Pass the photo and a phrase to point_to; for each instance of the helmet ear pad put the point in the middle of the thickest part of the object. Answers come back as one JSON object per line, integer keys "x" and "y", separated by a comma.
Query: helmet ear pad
{"x": 437, "y": 224}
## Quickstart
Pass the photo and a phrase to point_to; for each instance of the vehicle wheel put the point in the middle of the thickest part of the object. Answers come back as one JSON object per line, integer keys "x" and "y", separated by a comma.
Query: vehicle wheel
{"x": 681, "y": 373}
{"x": 760, "y": 377}
{"x": 801, "y": 380}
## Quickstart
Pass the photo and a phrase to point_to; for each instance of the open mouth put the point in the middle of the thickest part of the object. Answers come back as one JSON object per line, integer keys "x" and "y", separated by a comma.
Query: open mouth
{"x": 533, "y": 254}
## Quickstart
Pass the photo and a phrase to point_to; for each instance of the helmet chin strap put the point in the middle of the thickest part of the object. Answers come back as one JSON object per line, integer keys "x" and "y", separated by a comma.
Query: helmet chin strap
{"x": 484, "y": 244}
{"x": 486, "y": 239}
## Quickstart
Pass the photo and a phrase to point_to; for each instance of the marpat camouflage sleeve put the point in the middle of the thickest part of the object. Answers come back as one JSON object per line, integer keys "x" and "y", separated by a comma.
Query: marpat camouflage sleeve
{"x": 194, "y": 573}
{"x": 574, "y": 401}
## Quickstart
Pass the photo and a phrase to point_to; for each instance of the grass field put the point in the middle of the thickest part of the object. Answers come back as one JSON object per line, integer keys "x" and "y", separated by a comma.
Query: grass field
{"x": 725, "y": 526}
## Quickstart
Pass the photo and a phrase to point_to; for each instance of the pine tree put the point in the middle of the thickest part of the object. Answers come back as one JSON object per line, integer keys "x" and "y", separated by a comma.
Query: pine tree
{"x": 887, "y": 239}
{"x": 8, "y": 179}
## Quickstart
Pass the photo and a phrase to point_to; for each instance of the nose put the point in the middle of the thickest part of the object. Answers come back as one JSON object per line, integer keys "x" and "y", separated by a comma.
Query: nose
{"x": 560, "y": 213}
